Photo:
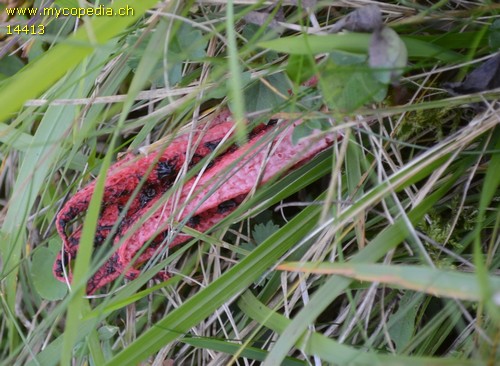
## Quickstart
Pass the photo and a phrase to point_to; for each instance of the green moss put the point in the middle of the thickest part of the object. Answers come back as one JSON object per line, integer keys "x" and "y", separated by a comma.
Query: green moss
{"x": 437, "y": 122}
{"x": 439, "y": 227}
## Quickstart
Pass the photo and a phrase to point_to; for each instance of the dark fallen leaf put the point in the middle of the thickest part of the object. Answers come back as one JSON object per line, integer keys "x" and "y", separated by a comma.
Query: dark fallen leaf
{"x": 262, "y": 17}
{"x": 365, "y": 19}
{"x": 485, "y": 77}
{"x": 387, "y": 55}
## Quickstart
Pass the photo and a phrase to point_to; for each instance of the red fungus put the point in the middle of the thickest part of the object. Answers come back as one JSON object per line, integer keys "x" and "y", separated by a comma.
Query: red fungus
{"x": 204, "y": 200}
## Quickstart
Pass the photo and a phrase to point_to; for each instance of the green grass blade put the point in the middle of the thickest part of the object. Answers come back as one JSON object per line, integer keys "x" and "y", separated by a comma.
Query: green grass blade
{"x": 78, "y": 305}
{"x": 436, "y": 282}
{"x": 490, "y": 188}
{"x": 237, "y": 101}
{"x": 233, "y": 348}
{"x": 356, "y": 43}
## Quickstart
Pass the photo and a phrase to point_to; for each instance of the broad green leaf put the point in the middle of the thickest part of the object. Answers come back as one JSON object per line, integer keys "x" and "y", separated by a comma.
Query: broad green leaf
{"x": 9, "y": 66}
{"x": 300, "y": 68}
{"x": 187, "y": 44}
{"x": 261, "y": 232}
{"x": 344, "y": 58}
{"x": 13, "y": 137}
{"x": 154, "y": 52}
{"x": 106, "y": 332}
{"x": 346, "y": 88}
{"x": 494, "y": 35}
{"x": 41, "y": 272}
{"x": 404, "y": 318}
{"x": 299, "y": 132}
{"x": 260, "y": 97}
{"x": 307, "y": 127}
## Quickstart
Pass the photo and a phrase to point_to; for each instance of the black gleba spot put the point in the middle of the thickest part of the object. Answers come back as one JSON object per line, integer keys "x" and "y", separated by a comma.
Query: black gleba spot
{"x": 226, "y": 206}
{"x": 164, "y": 169}
{"x": 211, "y": 145}
{"x": 59, "y": 268}
{"x": 193, "y": 221}
{"x": 146, "y": 195}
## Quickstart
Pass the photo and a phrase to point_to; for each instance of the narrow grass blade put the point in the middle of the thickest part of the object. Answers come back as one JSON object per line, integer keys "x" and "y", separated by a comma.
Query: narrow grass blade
{"x": 356, "y": 43}
{"x": 490, "y": 188}
{"x": 78, "y": 304}
{"x": 433, "y": 281}
{"x": 235, "y": 85}
{"x": 233, "y": 348}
